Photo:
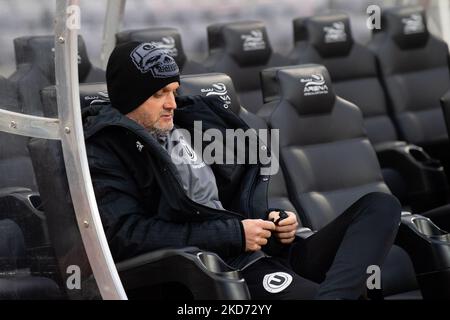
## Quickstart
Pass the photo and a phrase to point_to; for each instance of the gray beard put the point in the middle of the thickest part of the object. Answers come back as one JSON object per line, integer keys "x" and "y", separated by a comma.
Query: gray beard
{"x": 159, "y": 134}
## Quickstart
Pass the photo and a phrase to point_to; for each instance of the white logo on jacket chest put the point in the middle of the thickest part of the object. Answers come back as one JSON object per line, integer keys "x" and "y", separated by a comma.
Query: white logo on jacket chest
{"x": 183, "y": 153}
{"x": 139, "y": 146}
{"x": 188, "y": 153}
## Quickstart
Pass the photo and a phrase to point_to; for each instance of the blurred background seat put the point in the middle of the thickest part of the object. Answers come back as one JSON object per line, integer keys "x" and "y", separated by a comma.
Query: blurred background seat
{"x": 318, "y": 132}
{"x": 168, "y": 38}
{"x": 415, "y": 73}
{"x": 35, "y": 61}
{"x": 241, "y": 50}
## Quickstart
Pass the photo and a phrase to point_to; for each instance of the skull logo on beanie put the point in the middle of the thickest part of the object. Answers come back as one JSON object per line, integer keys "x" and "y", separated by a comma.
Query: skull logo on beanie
{"x": 147, "y": 57}
{"x": 136, "y": 71}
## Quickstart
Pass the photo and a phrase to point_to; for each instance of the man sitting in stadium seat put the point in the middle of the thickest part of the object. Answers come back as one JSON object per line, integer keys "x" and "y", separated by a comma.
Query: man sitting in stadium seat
{"x": 149, "y": 201}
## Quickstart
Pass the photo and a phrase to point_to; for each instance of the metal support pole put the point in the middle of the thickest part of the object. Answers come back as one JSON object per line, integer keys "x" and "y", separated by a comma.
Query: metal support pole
{"x": 444, "y": 17}
{"x": 113, "y": 21}
{"x": 75, "y": 159}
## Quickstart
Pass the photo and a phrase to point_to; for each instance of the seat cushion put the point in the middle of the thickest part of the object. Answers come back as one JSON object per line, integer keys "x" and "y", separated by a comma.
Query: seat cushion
{"x": 29, "y": 288}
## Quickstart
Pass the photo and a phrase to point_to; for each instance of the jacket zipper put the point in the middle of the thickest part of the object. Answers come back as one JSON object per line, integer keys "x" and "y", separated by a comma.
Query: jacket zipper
{"x": 250, "y": 195}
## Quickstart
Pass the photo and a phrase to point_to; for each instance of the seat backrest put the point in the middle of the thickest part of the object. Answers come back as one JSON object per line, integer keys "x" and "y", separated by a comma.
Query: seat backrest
{"x": 16, "y": 281}
{"x": 63, "y": 232}
{"x": 12, "y": 246}
{"x": 221, "y": 86}
{"x": 414, "y": 67}
{"x": 168, "y": 38}
{"x": 8, "y": 95}
{"x": 328, "y": 161}
{"x": 95, "y": 92}
{"x": 328, "y": 40}
{"x": 242, "y": 50}
{"x": 36, "y": 69}
{"x": 48, "y": 163}
{"x": 16, "y": 169}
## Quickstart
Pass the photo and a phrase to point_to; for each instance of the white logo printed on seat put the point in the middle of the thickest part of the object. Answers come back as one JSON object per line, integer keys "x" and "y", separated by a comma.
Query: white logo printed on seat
{"x": 335, "y": 32}
{"x": 413, "y": 24}
{"x": 253, "y": 41}
{"x": 314, "y": 85}
{"x": 100, "y": 98}
{"x": 167, "y": 43}
{"x": 277, "y": 281}
{"x": 220, "y": 90}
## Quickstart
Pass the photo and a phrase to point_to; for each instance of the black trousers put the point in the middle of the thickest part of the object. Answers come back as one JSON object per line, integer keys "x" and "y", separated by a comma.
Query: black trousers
{"x": 332, "y": 263}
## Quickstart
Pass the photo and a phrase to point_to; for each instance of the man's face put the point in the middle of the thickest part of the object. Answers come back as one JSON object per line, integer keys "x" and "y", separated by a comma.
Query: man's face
{"x": 156, "y": 113}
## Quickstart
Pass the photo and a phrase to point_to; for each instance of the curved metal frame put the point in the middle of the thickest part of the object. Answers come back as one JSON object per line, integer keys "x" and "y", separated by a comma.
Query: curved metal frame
{"x": 444, "y": 17}
{"x": 30, "y": 126}
{"x": 69, "y": 129}
{"x": 75, "y": 159}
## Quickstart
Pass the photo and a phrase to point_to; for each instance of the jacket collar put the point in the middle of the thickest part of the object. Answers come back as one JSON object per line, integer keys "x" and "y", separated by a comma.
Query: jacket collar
{"x": 97, "y": 117}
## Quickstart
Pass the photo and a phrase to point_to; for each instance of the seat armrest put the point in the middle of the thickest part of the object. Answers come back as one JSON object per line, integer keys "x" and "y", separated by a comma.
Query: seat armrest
{"x": 423, "y": 176}
{"x": 389, "y": 145}
{"x": 23, "y": 206}
{"x": 205, "y": 274}
{"x": 429, "y": 249}
{"x": 420, "y": 233}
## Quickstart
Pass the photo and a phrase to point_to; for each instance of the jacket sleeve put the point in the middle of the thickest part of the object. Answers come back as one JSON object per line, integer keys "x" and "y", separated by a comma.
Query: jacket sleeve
{"x": 131, "y": 230}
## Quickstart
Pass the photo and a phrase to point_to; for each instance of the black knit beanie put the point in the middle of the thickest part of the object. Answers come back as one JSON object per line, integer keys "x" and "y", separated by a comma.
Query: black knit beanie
{"x": 136, "y": 71}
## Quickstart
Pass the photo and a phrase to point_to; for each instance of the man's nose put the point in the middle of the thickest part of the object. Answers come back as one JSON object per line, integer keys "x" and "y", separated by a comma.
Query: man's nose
{"x": 170, "y": 102}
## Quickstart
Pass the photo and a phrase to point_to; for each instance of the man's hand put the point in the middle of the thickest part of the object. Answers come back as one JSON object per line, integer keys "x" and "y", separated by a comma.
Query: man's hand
{"x": 286, "y": 228}
{"x": 257, "y": 231}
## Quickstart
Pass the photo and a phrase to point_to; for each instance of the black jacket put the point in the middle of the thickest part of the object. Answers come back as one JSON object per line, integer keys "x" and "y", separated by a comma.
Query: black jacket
{"x": 140, "y": 197}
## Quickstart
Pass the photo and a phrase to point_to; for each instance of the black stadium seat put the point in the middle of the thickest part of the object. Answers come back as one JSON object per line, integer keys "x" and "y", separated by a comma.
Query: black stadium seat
{"x": 321, "y": 131}
{"x": 327, "y": 159}
{"x": 16, "y": 169}
{"x": 242, "y": 50}
{"x": 8, "y": 95}
{"x": 16, "y": 282}
{"x": 95, "y": 92}
{"x": 414, "y": 68}
{"x": 221, "y": 86}
{"x": 25, "y": 255}
{"x": 168, "y": 38}
{"x": 327, "y": 40}
{"x": 36, "y": 69}
{"x": 398, "y": 279}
